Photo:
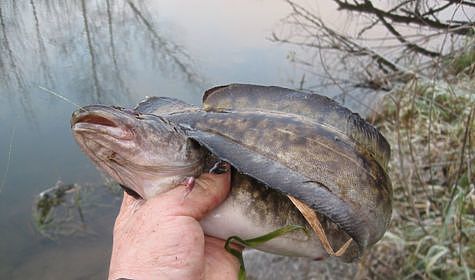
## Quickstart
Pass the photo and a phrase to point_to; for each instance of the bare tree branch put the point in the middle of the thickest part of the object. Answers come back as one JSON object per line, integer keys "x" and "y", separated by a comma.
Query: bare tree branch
{"x": 400, "y": 37}
{"x": 367, "y": 8}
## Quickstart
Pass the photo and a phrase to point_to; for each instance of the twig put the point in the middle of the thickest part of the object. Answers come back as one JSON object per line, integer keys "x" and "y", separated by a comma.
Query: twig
{"x": 335, "y": 82}
{"x": 348, "y": 45}
{"x": 411, "y": 151}
{"x": 401, "y": 166}
{"x": 401, "y": 38}
{"x": 459, "y": 174}
{"x": 366, "y": 8}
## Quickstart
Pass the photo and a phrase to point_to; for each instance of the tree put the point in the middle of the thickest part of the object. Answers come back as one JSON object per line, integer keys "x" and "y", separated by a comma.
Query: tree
{"x": 420, "y": 35}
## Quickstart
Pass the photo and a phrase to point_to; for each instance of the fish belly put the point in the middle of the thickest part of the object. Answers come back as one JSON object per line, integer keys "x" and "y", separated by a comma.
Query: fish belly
{"x": 253, "y": 210}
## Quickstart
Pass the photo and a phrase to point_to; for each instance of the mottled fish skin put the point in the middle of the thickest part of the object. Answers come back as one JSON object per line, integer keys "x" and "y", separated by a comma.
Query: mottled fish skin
{"x": 320, "y": 109}
{"x": 350, "y": 155}
{"x": 334, "y": 175}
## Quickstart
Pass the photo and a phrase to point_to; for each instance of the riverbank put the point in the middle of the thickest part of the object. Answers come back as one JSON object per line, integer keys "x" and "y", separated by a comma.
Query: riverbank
{"x": 430, "y": 127}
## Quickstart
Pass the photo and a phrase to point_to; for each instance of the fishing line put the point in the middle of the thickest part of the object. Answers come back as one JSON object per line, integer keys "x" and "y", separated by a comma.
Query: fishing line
{"x": 10, "y": 152}
{"x": 59, "y": 96}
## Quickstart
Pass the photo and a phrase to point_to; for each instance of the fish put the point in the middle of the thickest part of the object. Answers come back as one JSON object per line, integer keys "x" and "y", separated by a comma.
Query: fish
{"x": 320, "y": 153}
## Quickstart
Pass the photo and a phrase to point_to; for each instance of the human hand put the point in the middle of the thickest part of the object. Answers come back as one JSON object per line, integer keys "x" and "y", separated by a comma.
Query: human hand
{"x": 161, "y": 238}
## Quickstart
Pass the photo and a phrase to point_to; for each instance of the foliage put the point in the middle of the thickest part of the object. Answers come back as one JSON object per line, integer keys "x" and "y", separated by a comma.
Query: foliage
{"x": 464, "y": 62}
{"x": 431, "y": 130}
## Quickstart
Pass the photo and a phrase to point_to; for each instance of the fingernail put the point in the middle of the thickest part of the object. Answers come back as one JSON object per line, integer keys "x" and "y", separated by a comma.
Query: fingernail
{"x": 220, "y": 167}
{"x": 189, "y": 185}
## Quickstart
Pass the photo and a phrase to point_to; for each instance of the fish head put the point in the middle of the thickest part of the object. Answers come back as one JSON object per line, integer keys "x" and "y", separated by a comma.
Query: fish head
{"x": 142, "y": 152}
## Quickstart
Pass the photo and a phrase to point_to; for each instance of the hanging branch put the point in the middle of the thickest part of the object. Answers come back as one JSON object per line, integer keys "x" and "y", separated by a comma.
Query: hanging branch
{"x": 411, "y": 17}
{"x": 331, "y": 39}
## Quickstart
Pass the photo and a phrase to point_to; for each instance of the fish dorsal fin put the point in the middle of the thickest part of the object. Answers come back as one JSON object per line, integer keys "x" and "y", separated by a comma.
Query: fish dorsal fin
{"x": 314, "y": 107}
{"x": 163, "y": 106}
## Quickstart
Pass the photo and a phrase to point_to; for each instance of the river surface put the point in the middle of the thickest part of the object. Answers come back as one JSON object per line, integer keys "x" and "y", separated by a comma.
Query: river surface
{"x": 110, "y": 52}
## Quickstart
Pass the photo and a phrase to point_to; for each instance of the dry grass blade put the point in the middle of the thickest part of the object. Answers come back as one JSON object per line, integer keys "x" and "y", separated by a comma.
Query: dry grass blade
{"x": 312, "y": 219}
{"x": 436, "y": 230}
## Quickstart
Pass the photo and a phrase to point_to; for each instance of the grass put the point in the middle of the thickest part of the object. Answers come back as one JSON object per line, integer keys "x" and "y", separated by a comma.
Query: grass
{"x": 430, "y": 128}
{"x": 463, "y": 61}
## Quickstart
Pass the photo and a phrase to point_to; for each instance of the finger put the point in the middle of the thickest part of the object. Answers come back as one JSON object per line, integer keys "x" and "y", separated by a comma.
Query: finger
{"x": 209, "y": 191}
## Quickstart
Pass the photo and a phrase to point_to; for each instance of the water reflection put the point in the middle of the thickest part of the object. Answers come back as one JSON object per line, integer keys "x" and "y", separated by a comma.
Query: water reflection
{"x": 44, "y": 44}
{"x": 65, "y": 210}
{"x": 89, "y": 52}
{"x": 11, "y": 73}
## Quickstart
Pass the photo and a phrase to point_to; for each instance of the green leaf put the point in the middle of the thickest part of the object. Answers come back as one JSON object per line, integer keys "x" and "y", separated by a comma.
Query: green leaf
{"x": 253, "y": 242}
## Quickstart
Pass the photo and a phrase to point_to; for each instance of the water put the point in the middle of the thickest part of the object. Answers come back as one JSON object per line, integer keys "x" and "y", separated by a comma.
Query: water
{"x": 112, "y": 52}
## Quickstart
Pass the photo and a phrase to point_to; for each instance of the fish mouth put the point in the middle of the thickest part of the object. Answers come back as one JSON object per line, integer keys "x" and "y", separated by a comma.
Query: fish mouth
{"x": 107, "y": 135}
{"x": 104, "y": 120}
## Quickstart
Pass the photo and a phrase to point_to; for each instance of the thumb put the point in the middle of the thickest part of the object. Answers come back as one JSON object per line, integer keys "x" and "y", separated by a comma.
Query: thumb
{"x": 208, "y": 192}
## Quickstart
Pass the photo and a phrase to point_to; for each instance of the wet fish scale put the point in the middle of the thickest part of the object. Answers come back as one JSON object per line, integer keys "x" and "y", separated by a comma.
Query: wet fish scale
{"x": 319, "y": 108}
{"x": 313, "y": 138}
